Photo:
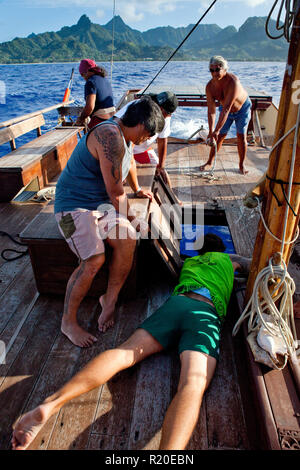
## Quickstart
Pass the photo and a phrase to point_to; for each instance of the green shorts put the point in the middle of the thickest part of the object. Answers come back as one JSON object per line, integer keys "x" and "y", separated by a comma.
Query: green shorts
{"x": 190, "y": 324}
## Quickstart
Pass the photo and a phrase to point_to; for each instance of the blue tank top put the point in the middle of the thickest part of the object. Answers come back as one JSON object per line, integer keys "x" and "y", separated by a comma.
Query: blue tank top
{"x": 81, "y": 184}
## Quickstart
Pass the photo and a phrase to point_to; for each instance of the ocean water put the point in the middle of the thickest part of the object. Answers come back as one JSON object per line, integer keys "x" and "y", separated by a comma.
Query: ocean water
{"x": 26, "y": 88}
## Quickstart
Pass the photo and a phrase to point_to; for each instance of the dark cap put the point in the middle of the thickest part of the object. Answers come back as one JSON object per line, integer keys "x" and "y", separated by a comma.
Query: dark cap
{"x": 167, "y": 100}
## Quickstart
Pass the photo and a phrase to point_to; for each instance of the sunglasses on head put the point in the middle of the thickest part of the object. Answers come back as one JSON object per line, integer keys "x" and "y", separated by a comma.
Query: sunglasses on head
{"x": 217, "y": 69}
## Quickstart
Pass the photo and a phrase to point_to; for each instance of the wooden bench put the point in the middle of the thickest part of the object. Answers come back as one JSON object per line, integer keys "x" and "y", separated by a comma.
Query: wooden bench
{"x": 43, "y": 157}
{"x": 53, "y": 262}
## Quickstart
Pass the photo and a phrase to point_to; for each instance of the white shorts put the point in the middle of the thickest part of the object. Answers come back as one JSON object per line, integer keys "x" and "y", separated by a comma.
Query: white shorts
{"x": 85, "y": 230}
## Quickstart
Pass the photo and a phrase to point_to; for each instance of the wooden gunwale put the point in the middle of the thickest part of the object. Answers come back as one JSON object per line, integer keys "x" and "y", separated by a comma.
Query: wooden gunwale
{"x": 15, "y": 120}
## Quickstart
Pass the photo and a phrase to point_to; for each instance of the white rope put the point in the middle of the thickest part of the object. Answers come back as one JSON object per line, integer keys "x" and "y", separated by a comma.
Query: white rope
{"x": 291, "y": 176}
{"x": 209, "y": 174}
{"x": 274, "y": 282}
{"x": 113, "y": 39}
{"x": 269, "y": 231}
{"x": 263, "y": 301}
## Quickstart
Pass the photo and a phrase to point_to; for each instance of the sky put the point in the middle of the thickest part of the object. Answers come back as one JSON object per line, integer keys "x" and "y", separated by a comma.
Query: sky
{"x": 19, "y": 18}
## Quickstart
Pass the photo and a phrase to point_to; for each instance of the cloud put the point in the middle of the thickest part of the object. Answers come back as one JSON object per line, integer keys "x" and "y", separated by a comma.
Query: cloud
{"x": 134, "y": 11}
{"x": 58, "y": 3}
{"x": 100, "y": 13}
{"x": 129, "y": 13}
{"x": 135, "y": 8}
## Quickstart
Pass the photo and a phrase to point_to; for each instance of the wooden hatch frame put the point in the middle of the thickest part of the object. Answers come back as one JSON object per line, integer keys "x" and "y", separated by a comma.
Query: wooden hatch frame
{"x": 164, "y": 204}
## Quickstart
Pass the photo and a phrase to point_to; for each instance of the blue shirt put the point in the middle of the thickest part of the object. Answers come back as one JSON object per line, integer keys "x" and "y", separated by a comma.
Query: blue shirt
{"x": 81, "y": 184}
{"x": 101, "y": 87}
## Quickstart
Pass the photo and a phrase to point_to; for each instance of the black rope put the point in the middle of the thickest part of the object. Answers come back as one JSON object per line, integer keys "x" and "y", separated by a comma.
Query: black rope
{"x": 21, "y": 253}
{"x": 281, "y": 183}
{"x": 182, "y": 42}
{"x": 284, "y": 25}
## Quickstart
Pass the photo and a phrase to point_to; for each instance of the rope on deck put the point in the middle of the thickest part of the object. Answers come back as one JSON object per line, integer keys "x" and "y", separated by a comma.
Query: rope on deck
{"x": 274, "y": 327}
{"x": 20, "y": 253}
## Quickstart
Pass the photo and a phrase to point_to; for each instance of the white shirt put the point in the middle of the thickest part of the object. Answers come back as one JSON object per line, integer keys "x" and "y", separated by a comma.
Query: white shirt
{"x": 147, "y": 144}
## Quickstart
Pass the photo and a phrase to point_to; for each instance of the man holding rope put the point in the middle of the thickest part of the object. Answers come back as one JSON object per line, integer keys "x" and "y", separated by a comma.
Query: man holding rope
{"x": 235, "y": 106}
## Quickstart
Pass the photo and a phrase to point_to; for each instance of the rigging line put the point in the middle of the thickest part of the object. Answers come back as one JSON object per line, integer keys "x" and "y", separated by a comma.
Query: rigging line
{"x": 182, "y": 42}
{"x": 113, "y": 38}
{"x": 291, "y": 176}
{"x": 286, "y": 25}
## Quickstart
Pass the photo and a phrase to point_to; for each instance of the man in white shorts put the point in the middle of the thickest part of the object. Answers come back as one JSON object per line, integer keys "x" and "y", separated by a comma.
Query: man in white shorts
{"x": 91, "y": 206}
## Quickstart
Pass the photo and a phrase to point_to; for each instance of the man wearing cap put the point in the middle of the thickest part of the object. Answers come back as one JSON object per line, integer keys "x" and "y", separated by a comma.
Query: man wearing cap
{"x": 226, "y": 90}
{"x": 98, "y": 95}
{"x": 144, "y": 153}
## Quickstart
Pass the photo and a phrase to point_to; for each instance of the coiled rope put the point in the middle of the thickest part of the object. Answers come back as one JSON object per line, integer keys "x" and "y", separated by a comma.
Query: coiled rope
{"x": 209, "y": 174}
{"x": 263, "y": 301}
{"x": 286, "y": 25}
{"x": 10, "y": 250}
{"x": 274, "y": 283}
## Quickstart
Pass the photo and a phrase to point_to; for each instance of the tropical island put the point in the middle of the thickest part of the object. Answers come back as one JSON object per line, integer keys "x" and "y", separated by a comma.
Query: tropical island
{"x": 87, "y": 39}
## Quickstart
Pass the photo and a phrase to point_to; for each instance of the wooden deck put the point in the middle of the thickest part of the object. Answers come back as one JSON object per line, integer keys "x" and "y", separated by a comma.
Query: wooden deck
{"x": 127, "y": 412}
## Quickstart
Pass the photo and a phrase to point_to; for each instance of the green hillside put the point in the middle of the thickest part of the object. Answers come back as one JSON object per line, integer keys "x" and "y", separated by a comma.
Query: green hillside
{"x": 87, "y": 39}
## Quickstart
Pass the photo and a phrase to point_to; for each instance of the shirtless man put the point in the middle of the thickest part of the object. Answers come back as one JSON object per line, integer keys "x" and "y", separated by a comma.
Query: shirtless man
{"x": 225, "y": 89}
{"x": 91, "y": 208}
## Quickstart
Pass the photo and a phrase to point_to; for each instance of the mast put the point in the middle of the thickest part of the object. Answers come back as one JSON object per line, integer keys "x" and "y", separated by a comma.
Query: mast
{"x": 274, "y": 208}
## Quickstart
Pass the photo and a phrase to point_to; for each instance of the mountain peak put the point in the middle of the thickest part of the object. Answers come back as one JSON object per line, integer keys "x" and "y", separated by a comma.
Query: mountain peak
{"x": 119, "y": 25}
{"x": 84, "y": 22}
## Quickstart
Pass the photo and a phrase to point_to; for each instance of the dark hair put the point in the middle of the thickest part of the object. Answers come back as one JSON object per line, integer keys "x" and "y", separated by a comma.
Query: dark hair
{"x": 99, "y": 71}
{"x": 212, "y": 243}
{"x": 166, "y": 100}
{"x": 144, "y": 111}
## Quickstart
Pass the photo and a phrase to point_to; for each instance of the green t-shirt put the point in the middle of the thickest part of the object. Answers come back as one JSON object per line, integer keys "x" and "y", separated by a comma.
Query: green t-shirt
{"x": 212, "y": 270}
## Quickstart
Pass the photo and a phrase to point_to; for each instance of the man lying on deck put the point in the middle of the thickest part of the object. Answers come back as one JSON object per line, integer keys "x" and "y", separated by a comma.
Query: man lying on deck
{"x": 226, "y": 90}
{"x": 91, "y": 206}
{"x": 190, "y": 319}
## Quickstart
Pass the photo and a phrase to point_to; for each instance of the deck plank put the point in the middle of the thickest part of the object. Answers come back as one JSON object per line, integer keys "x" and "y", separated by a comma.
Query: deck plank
{"x": 59, "y": 432}
{"x": 27, "y": 366}
{"x": 223, "y": 402}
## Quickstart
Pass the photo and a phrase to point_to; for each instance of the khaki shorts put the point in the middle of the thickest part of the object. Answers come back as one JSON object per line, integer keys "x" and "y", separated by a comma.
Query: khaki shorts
{"x": 85, "y": 230}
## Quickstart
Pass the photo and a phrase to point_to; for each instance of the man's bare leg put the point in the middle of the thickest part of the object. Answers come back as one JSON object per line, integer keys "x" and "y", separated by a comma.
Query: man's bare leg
{"x": 242, "y": 150}
{"x": 120, "y": 265}
{"x": 212, "y": 152}
{"x": 77, "y": 288}
{"x": 197, "y": 370}
{"x": 97, "y": 372}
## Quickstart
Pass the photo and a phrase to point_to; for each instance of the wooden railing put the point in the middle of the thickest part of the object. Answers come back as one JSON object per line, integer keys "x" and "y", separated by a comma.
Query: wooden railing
{"x": 15, "y": 120}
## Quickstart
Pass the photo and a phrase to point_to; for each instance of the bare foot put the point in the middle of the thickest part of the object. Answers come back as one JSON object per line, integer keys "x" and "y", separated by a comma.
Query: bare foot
{"x": 76, "y": 334}
{"x": 106, "y": 319}
{"x": 243, "y": 171}
{"x": 29, "y": 425}
{"x": 202, "y": 167}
